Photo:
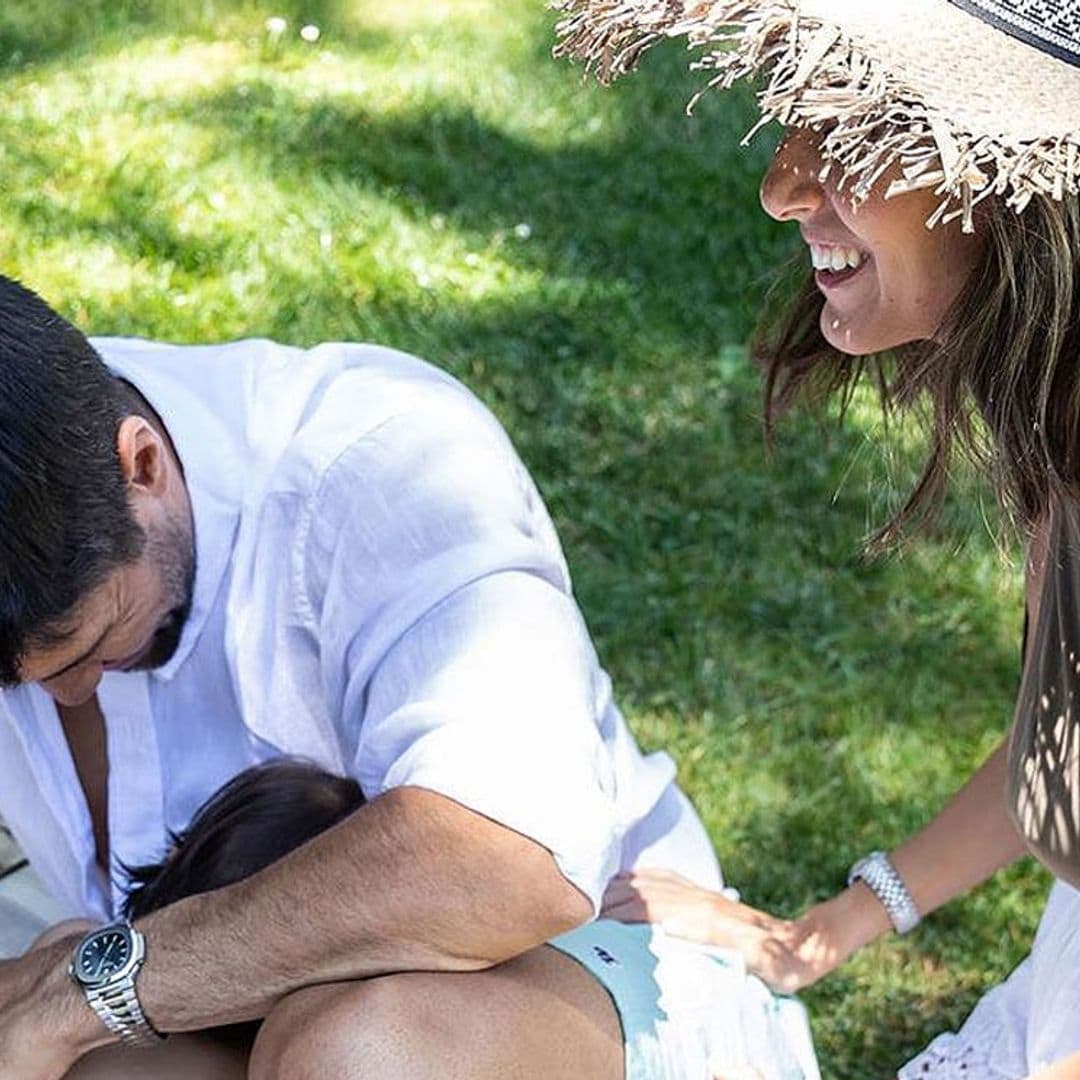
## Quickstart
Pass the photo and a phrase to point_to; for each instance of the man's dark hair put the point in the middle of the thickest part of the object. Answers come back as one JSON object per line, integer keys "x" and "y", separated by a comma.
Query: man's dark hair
{"x": 65, "y": 521}
{"x": 257, "y": 817}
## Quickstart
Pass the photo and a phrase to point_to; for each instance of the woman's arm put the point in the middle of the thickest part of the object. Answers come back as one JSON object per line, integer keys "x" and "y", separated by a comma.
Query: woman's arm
{"x": 970, "y": 839}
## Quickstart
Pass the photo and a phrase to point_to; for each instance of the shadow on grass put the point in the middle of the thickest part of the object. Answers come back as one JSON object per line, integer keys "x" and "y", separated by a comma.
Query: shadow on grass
{"x": 688, "y": 548}
{"x": 129, "y": 217}
{"x": 445, "y": 160}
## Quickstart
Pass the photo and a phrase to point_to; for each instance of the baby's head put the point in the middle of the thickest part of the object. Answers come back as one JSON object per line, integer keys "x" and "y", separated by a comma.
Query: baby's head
{"x": 257, "y": 817}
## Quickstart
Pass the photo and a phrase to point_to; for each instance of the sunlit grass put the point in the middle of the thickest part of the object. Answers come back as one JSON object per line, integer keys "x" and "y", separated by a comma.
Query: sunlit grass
{"x": 590, "y": 262}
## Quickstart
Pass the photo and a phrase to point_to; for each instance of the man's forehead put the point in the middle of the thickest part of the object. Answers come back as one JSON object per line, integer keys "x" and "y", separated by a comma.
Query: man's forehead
{"x": 41, "y": 664}
{"x": 70, "y": 644}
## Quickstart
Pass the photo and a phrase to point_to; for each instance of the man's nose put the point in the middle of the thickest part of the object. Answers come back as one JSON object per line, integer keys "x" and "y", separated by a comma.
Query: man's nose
{"x": 75, "y": 687}
{"x": 790, "y": 189}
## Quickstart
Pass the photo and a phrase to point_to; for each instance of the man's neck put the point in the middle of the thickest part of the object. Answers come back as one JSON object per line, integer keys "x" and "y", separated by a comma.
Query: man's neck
{"x": 84, "y": 729}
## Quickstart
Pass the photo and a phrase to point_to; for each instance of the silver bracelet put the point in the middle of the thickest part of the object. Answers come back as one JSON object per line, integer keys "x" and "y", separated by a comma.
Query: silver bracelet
{"x": 877, "y": 872}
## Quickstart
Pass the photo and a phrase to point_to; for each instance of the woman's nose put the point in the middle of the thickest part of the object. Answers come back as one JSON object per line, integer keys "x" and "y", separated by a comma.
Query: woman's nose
{"x": 790, "y": 189}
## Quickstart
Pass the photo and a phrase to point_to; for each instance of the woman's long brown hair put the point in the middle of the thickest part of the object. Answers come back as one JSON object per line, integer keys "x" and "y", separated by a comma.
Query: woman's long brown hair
{"x": 1002, "y": 381}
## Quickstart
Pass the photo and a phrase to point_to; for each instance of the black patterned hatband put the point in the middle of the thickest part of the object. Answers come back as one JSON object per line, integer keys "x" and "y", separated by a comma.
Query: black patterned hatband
{"x": 1052, "y": 26}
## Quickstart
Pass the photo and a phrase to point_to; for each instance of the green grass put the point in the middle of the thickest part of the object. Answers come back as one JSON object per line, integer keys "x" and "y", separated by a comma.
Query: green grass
{"x": 590, "y": 262}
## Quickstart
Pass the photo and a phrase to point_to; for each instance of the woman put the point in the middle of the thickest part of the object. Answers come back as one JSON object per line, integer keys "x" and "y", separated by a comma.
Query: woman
{"x": 932, "y": 163}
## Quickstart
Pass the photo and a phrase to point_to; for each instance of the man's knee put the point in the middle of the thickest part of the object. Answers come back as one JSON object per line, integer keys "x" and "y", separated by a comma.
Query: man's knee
{"x": 370, "y": 1029}
{"x": 425, "y": 1026}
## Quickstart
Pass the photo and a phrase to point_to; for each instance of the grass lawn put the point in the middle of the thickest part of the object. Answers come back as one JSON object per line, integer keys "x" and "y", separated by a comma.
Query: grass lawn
{"x": 589, "y": 261}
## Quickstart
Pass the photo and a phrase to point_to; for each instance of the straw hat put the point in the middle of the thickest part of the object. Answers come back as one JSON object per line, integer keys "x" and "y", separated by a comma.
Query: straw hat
{"x": 968, "y": 97}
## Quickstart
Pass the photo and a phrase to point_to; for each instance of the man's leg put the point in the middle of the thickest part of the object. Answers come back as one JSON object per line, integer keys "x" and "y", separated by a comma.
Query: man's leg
{"x": 183, "y": 1057}
{"x": 539, "y": 1016}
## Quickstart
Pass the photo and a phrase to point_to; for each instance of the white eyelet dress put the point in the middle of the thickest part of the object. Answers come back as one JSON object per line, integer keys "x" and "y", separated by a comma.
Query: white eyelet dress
{"x": 1027, "y": 1022}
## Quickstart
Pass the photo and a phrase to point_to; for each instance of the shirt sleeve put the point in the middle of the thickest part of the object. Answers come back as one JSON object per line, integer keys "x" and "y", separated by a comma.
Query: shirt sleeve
{"x": 494, "y": 700}
{"x": 453, "y": 655}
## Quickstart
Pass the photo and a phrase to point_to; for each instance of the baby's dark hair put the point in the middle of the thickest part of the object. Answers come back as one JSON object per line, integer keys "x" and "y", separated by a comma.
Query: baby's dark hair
{"x": 259, "y": 816}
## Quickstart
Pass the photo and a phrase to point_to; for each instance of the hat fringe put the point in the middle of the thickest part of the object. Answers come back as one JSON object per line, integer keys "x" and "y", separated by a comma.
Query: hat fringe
{"x": 816, "y": 77}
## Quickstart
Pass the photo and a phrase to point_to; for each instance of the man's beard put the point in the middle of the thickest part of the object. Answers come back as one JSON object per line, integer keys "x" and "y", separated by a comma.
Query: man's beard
{"x": 173, "y": 555}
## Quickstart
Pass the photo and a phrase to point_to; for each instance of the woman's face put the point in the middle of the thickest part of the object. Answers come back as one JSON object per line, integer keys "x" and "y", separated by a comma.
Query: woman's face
{"x": 887, "y": 279}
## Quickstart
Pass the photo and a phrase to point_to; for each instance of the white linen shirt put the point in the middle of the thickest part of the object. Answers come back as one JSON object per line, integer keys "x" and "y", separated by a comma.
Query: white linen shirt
{"x": 379, "y": 589}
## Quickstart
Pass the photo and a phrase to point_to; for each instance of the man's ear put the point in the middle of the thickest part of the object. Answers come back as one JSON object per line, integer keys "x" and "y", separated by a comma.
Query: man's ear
{"x": 143, "y": 460}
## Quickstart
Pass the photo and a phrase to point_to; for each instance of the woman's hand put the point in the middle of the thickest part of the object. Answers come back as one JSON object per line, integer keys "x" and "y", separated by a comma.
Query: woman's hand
{"x": 786, "y": 954}
{"x": 827, "y": 934}
{"x": 688, "y": 911}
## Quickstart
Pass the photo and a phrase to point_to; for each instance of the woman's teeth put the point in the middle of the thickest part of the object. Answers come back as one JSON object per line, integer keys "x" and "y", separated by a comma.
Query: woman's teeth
{"x": 835, "y": 258}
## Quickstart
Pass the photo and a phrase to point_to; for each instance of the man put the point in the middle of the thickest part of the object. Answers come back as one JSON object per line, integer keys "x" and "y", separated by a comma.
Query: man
{"x": 213, "y": 556}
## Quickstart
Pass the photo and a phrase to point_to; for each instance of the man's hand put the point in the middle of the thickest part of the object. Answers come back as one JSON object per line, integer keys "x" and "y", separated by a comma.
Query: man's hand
{"x": 45, "y": 1023}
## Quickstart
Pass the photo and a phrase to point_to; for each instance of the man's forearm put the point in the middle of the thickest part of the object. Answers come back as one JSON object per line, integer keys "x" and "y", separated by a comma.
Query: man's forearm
{"x": 413, "y": 881}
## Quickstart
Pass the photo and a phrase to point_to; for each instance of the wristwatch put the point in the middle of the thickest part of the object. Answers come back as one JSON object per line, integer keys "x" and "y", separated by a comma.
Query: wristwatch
{"x": 878, "y": 873}
{"x": 105, "y": 965}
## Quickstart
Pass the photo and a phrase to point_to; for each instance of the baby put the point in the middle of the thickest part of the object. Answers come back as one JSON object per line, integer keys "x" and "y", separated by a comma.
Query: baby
{"x": 259, "y": 816}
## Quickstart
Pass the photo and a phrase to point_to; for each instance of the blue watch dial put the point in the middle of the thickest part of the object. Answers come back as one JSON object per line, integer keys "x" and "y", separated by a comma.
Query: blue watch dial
{"x": 103, "y": 954}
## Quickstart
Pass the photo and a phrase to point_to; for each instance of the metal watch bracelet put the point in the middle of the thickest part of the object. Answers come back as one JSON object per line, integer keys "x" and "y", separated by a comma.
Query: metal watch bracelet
{"x": 119, "y": 1010}
{"x": 877, "y": 872}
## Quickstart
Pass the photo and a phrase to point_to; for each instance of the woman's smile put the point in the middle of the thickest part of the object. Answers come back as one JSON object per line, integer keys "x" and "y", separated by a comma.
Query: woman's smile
{"x": 887, "y": 279}
{"x": 835, "y": 264}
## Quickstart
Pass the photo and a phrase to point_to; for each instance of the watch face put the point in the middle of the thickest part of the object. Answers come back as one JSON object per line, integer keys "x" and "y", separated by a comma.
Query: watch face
{"x": 102, "y": 955}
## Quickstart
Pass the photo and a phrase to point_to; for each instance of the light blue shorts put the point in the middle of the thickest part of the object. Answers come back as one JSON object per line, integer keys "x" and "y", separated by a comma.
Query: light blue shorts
{"x": 689, "y": 1011}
